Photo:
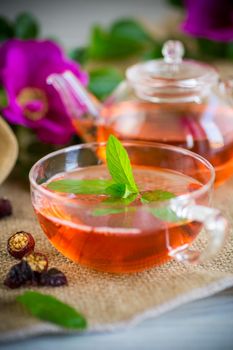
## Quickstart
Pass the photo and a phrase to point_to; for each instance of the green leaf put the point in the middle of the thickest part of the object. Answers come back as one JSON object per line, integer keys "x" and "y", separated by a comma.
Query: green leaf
{"x": 211, "y": 49}
{"x": 97, "y": 186}
{"x": 3, "y": 98}
{"x": 177, "y": 3}
{"x": 154, "y": 52}
{"x": 103, "y": 81}
{"x": 117, "y": 201}
{"x": 124, "y": 38}
{"x": 104, "y": 45}
{"x": 118, "y": 205}
{"x": 79, "y": 54}
{"x": 119, "y": 164}
{"x": 229, "y": 51}
{"x": 26, "y": 26}
{"x": 118, "y": 190}
{"x": 157, "y": 195}
{"x": 48, "y": 308}
{"x": 164, "y": 214}
{"x": 6, "y": 29}
{"x": 107, "y": 211}
{"x": 129, "y": 28}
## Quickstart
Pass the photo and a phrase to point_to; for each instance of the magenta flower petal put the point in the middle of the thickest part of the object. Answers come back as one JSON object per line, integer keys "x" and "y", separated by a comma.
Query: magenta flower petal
{"x": 57, "y": 133}
{"x": 211, "y": 19}
{"x": 24, "y": 68}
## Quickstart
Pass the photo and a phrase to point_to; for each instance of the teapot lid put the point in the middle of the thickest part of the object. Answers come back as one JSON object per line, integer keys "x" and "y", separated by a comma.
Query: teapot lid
{"x": 171, "y": 75}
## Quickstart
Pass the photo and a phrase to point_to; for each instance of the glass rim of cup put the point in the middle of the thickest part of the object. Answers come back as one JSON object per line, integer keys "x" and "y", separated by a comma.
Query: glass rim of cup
{"x": 191, "y": 195}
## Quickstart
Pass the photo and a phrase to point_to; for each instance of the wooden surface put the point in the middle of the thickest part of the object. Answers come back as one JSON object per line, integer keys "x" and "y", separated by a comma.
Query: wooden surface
{"x": 206, "y": 324}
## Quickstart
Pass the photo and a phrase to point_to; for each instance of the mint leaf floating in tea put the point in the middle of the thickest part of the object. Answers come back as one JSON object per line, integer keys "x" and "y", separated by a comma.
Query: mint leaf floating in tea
{"x": 121, "y": 185}
{"x": 162, "y": 213}
{"x": 107, "y": 211}
{"x": 157, "y": 195}
{"x": 165, "y": 214}
{"x": 119, "y": 164}
{"x": 122, "y": 189}
{"x": 116, "y": 206}
{"x": 120, "y": 200}
{"x": 118, "y": 190}
{"x": 50, "y": 309}
{"x": 96, "y": 186}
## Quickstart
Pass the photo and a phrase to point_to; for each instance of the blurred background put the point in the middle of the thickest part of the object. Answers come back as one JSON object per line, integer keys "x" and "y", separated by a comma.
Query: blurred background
{"x": 70, "y": 20}
{"x": 97, "y": 40}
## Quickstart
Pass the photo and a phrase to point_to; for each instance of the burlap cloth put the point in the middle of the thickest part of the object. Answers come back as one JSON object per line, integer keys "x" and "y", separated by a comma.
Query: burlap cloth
{"x": 108, "y": 301}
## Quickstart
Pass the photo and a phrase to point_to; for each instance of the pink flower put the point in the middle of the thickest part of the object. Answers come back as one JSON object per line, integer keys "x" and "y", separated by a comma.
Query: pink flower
{"x": 211, "y": 19}
{"x": 24, "y": 67}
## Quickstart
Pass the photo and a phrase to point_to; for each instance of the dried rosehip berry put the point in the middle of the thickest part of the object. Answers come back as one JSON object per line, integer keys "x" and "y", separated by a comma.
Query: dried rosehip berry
{"x": 5, "y": 207}
{"x": 53, "y": 277}
{"x": 37, "y": 261}
{"x": 20, "y": 244}
{"x": 18, "y": 275}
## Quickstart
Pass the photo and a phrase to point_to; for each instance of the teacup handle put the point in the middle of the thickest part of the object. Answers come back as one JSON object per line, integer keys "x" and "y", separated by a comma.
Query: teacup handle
{"x": 215, "y": 225}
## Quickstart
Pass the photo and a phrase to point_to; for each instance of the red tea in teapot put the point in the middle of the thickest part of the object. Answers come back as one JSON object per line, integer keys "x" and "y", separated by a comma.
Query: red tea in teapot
{"x": 206, "y": 130}
{"x": 177, "y": 101}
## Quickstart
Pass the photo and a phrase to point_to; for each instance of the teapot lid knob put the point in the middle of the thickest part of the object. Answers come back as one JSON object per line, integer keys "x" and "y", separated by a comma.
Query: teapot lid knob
{"x": 173, "y": 51}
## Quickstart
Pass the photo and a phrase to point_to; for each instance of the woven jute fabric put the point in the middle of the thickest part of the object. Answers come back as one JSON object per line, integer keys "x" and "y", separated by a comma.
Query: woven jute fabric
{"x": 108, "y": 301}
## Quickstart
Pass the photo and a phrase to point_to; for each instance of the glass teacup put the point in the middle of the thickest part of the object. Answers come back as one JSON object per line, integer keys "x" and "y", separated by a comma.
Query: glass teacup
{"x": 115, "y": 236}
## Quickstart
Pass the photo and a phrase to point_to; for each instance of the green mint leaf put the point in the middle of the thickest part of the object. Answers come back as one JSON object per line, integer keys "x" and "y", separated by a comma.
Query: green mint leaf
{"x": 107, "y": 211}
{"x": 117, "y": 205}
{"x": 26, "y": 26}
{"x": 157, "y": 195}
{"x": 117, "y": 201}
{"x": 111, "y": 211}
{"x": 119, "y": 164}
{"x": 118, "y": 190}
{"x": 80, "y": 186}
{"x": 165, "y": 214}
{"x": 47, "y": 308}
{"x": 103, "y": 81}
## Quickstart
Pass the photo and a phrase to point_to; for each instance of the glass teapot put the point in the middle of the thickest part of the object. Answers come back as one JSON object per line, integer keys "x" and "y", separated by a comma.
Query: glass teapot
{"x": 170, "y": 100}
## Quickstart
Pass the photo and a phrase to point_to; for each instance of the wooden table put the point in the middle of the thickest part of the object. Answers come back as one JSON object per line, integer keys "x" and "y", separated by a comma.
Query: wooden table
{"x": 205, "y": 324}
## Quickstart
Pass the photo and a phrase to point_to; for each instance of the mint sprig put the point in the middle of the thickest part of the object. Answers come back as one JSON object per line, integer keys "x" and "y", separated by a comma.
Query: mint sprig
{"x": 121, "y": 190}
{"x": 96, "y": 187}
{"x": 157, "y": 195}
{"x": 116, "y": 205}
{"x": 48, "y": 308}
{"x": 118, "y": 190}
{"x": 119, "y": 164}
{"x": 121, "y": 185}
{"x": 161, "y": 213}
